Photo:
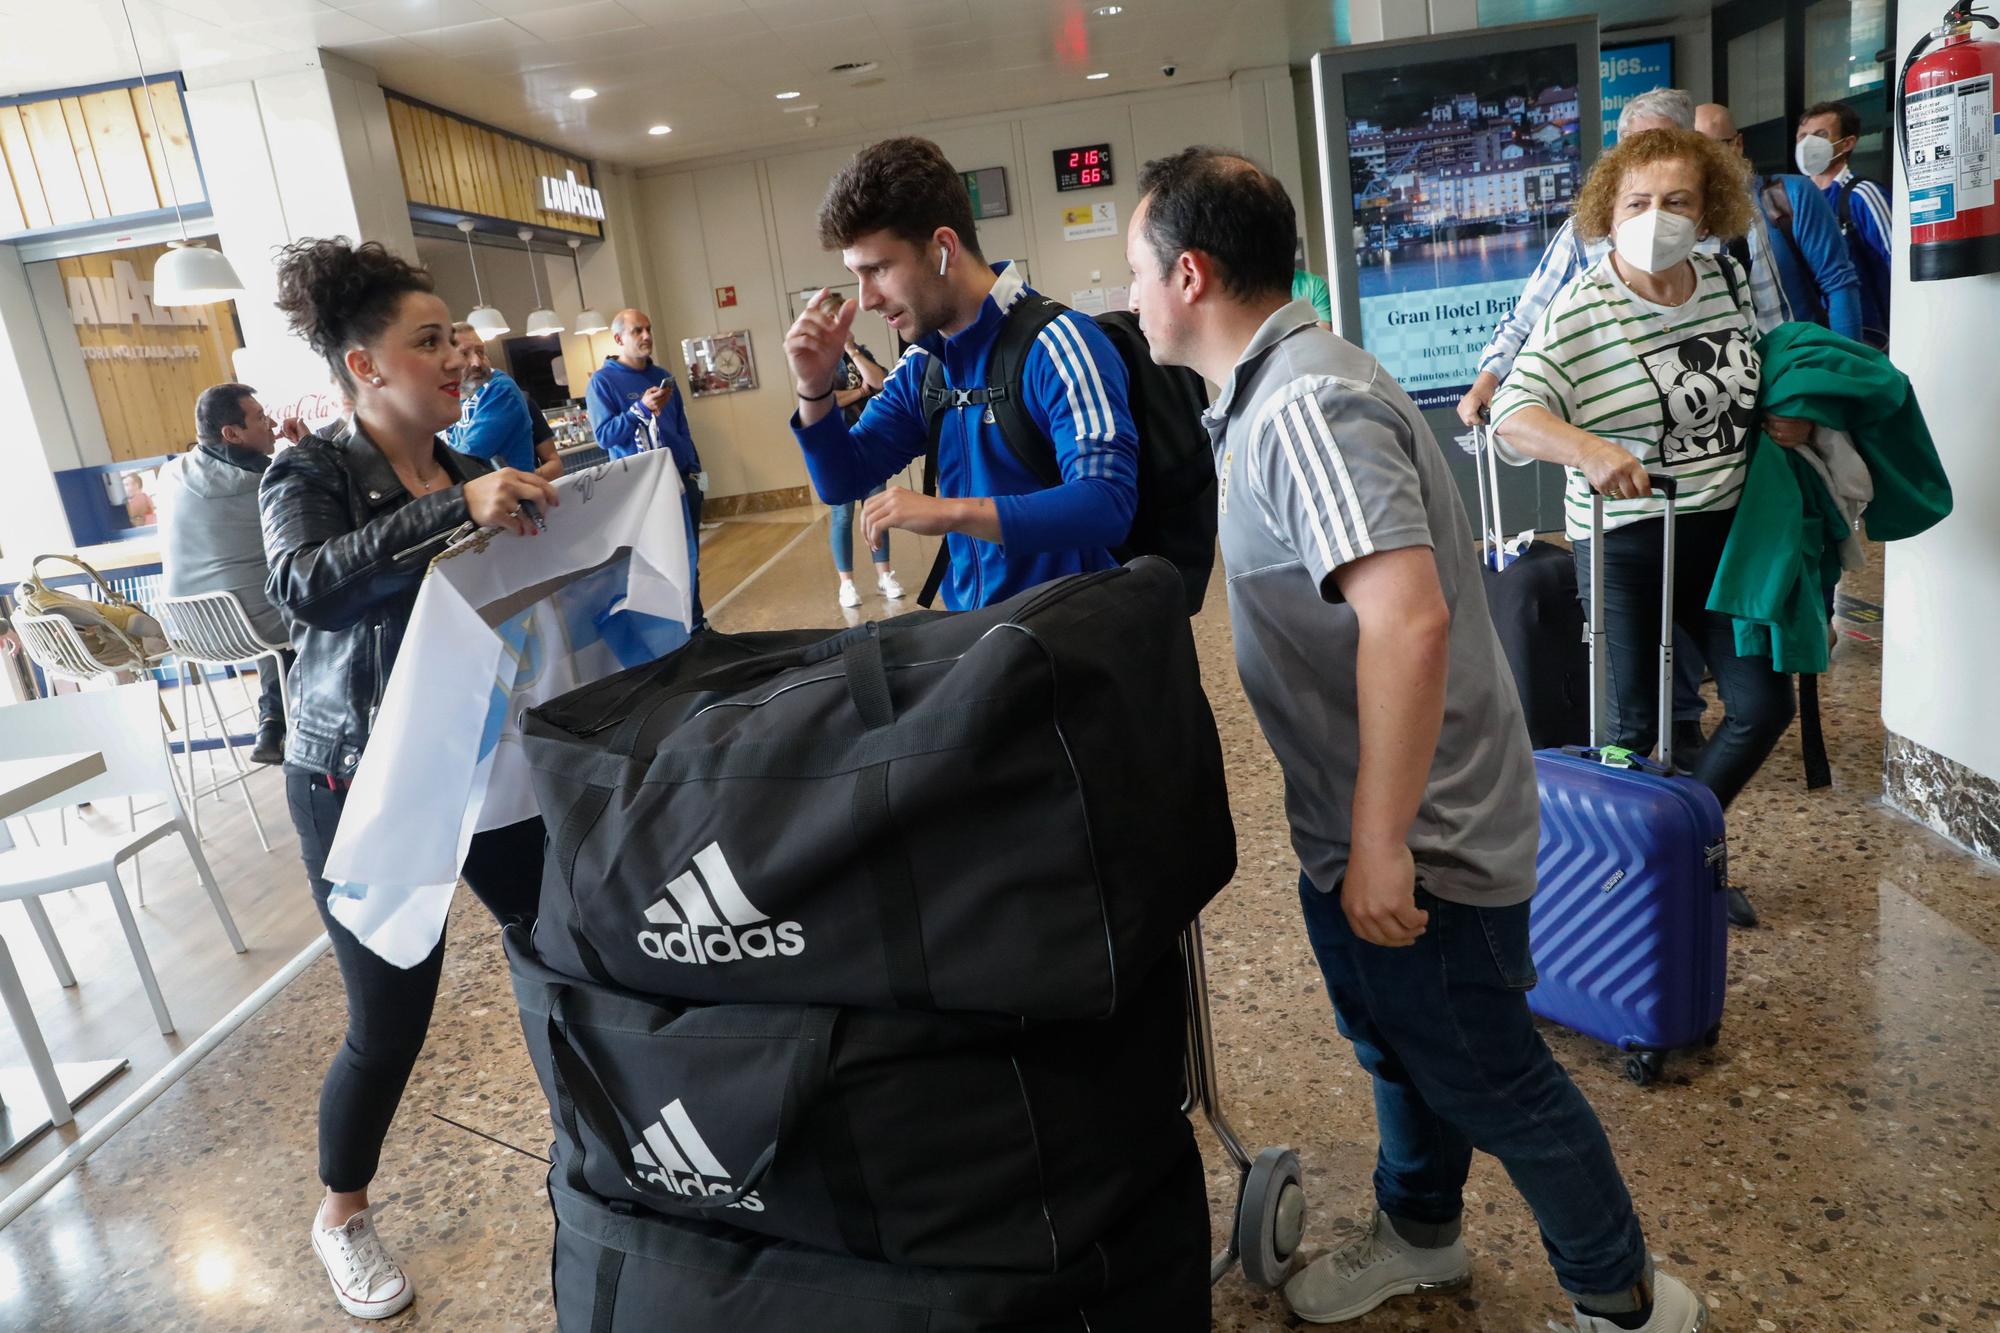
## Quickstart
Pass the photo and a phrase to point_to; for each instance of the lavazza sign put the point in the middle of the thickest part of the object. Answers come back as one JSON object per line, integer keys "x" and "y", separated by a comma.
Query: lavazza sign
{"x": 568, "y": 195}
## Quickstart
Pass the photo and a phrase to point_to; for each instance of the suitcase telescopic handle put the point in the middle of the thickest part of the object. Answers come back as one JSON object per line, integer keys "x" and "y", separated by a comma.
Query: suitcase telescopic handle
{"x": 1669, "y": 487}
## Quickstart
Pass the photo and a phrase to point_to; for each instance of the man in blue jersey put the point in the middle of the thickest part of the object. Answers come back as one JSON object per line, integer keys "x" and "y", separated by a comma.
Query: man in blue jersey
{"x": 1828, "y": 133}
{"x": 635, "y": 406}
{"x": 496, "y": 421}
{"x": 902, "y": 220}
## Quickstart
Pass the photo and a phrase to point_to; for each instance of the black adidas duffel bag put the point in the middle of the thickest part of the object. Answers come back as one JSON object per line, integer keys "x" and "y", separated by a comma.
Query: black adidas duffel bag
{"x": 1014, "y": 810}
{"x": 617, "y": 1270}
{"x": 936, "y": 1139}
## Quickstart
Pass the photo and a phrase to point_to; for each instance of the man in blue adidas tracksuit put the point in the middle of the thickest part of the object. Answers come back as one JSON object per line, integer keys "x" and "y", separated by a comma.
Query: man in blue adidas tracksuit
{"x": 635, "y": 406}
{"x": 900, "y": 216}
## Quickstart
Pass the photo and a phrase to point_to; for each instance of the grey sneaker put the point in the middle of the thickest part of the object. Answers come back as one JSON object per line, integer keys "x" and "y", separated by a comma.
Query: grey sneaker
{"x": 1675, "y": 1310}
{"x": 1367, "y": 1269}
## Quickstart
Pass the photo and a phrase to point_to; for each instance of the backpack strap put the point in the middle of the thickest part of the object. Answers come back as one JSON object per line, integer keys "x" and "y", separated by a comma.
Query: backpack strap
{"x": 1728, "y": 265}
{"x": 1002, "y": 394}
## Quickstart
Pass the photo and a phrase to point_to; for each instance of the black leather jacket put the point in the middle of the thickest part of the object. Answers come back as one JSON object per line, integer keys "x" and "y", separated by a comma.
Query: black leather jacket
{"x": 348, "y": 547}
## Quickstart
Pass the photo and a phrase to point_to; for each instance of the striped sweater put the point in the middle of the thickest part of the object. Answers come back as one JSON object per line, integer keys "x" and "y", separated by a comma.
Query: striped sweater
{"x": 1676, "y": 386}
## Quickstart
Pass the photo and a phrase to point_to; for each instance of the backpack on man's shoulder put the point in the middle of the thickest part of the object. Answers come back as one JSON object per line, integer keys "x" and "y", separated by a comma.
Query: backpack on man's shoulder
{"x": 1176, "y": 516}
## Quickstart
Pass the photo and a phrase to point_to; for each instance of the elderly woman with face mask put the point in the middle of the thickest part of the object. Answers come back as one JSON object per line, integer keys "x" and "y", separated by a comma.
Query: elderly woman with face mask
{"x": 1646, "y": 363}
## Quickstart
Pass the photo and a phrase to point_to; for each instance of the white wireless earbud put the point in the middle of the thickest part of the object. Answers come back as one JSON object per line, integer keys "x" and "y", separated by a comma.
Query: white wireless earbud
{"x": 944, "y": 259}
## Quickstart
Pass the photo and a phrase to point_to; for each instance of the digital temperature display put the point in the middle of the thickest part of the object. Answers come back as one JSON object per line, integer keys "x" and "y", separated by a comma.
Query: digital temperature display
{"x": 1083, "y": 168}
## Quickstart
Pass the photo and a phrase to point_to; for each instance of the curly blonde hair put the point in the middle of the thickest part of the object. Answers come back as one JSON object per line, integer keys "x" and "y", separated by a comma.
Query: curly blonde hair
{"x": 1725, "y": 181}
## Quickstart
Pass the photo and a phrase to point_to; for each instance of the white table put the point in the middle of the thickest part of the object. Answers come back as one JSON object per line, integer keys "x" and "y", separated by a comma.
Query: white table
{"x": 24, "y": 784}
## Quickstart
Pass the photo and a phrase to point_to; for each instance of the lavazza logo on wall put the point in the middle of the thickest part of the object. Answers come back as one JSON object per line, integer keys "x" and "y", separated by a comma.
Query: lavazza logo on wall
{"x": 566, "y": 194}
{"x": 704, "y": 918}
{"x": 675, "y": 1158}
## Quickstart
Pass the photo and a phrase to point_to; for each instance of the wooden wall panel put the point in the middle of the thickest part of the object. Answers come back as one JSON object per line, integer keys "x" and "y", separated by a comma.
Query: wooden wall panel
{"x": 147, "y": 401}
{"x": 459, "y": 165}
{"x": 91, "y": 157}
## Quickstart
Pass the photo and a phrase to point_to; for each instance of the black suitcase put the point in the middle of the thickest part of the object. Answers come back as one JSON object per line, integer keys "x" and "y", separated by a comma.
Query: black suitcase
{"x": 617, "y": 1270}
{"x": 943, "y": 1140}
{"x": 1014, "y": 810}
{"x": 1538, "y": 616}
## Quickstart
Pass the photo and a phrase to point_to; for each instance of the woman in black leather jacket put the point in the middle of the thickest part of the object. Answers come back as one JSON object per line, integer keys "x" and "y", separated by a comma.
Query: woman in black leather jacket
{"x": 352, "y": 518}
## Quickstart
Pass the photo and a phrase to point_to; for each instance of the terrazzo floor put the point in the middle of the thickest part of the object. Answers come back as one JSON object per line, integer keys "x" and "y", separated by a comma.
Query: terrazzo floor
{"x": 1833, "y": 1164}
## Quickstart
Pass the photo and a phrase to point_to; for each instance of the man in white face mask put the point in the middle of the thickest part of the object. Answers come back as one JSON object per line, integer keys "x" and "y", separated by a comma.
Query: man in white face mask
{"x": 1794, "y": 244}
{"x": 1828, "y": 132}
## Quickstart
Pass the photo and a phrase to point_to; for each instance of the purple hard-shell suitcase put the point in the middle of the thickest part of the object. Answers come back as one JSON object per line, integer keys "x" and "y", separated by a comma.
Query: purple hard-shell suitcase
{"x": 1629, "y": 923}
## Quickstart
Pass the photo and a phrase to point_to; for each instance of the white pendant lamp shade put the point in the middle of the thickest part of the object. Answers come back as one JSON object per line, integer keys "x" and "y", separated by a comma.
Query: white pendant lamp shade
{"x": 588, "y": 321}
{"x": 541, "y": 321}
{"x": 190, "y": 273}
{"x": 487, "y": 322}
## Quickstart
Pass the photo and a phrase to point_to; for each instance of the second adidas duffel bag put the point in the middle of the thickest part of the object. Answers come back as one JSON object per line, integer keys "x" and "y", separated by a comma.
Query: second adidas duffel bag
{"x": 1014, "y": 810}
{"x": 913, "y": 1138}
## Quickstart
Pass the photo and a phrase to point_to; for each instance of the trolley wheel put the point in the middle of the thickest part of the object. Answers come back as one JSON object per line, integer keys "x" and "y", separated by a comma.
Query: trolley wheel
{"x": 1270, "y": 1217}
{"x": 1712, "y": 1036}
{"x": 1642, "y": 1067}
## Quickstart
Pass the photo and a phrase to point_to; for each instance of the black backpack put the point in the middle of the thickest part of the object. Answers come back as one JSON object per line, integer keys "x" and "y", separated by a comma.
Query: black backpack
{"x": 1176, "y": 514}
{"x": 1868, "y": 265}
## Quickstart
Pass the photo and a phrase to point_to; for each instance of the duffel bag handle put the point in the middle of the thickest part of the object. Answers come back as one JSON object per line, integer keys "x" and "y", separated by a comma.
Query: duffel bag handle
{"x": 867, "y": 680}
{"x": 580, "y": 1094}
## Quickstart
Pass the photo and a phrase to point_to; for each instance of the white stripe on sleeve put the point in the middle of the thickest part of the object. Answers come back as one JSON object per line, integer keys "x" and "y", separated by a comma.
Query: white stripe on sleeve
{"x": 1309, "y": 498}
{"x": 1069, "y": 384}
{"x": 1357, "y": 522}
{"x": 1072, "y": 337}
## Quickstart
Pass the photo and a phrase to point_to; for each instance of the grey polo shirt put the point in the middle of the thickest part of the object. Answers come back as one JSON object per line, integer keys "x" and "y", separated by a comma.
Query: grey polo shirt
{"x": 1322, "y": 459}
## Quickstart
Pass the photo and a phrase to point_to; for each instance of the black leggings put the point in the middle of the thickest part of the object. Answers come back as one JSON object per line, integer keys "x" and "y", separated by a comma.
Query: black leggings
{"x": 389, "y": 1007}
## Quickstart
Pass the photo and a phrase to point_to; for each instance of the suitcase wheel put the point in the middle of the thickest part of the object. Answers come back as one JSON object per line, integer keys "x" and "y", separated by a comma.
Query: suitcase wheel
{"x": 1270, "y": 1217}
{"x": 1712, "y": 1036}
{"x": 1642, "y": 1067}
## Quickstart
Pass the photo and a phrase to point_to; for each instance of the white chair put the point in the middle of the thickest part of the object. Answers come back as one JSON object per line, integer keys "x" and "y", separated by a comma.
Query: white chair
{"x": 123, "y": 724}
{"x": 211, "y": 629}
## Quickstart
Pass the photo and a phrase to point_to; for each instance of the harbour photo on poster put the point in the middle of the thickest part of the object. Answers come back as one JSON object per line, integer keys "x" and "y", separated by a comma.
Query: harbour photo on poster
{"x": 1462, "y": 170}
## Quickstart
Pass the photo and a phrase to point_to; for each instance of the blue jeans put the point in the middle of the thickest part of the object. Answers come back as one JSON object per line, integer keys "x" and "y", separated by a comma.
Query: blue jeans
{"x": 840, "y": 534}
{"x": 1758, "y": 703}
{"x": 1443, "y": 1027}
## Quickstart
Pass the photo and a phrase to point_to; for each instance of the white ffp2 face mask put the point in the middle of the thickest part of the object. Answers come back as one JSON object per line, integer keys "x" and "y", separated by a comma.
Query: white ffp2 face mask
{"x": 1655, "y": 240}
{"x": 1813, "y": 154}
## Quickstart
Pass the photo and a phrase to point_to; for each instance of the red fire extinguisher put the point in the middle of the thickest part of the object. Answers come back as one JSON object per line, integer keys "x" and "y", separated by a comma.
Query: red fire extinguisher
{"x": 1945, "y": 114}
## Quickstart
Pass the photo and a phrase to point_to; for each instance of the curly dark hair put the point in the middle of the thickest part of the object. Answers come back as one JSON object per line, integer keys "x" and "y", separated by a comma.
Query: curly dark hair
{"x": 1725, "y": 181}
{"x": 904, "y": 186}
{"x": 1225, "y": 206}
{"x": 337, "y": 295}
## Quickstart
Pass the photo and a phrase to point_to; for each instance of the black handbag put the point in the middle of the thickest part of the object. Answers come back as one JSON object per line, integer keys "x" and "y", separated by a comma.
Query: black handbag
{"x": 1015, "y": 810}
{"x": 907, "y": 1137}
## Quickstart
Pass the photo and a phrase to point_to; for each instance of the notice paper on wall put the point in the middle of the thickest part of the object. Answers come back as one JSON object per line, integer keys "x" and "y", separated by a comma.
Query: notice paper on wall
{"x": 1089, "y": 300}
{"x": 1087, "y": 222}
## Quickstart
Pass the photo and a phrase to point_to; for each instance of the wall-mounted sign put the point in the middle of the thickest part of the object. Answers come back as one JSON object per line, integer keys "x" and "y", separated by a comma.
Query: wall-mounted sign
{"x": 566, "y": 194}
{"x": 1084, "y": 168}
{"x": 1626, "y": 71}
{"x": 988, "y": 188}
{"x": 123, "y": 297}
{"x": 720, "y": 363}
{"x": 725, "y": 297}
{"x": 1090, "y": 221}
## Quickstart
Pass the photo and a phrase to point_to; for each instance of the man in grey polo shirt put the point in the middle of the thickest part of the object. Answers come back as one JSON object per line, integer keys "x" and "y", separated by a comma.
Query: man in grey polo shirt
{"x": 1366, "y": 650}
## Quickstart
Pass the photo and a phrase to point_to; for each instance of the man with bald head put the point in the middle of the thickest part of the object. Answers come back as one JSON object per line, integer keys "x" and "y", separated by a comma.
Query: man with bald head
{"x": 1794, "y": 246}
{"x": 635, "y": 406}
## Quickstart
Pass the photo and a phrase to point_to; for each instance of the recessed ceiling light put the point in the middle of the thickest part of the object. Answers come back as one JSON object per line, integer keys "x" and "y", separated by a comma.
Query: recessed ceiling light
{"x": 582, "y": 94}
{"x": 1101, "y": 74}
{"x": 1107, "y": 11}
{"x": 785, "y": 96}
{"x": 661, "y": 129}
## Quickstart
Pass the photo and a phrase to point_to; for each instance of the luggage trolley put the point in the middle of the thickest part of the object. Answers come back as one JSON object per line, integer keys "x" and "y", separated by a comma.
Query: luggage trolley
{"x": 1270, "y": 1216}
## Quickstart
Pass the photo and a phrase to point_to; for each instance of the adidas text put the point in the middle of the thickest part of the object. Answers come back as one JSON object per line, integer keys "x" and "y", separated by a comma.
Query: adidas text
{"x": 704, "y": 917}
{"x": 676, "y": 1158}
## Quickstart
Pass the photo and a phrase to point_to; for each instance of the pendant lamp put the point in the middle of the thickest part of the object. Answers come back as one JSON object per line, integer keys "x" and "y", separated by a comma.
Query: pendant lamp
{"x": 541, "y": 321}
{"x": 589, "y": 321}
{"x": 487, "y": 322}
{"x": 189, "y": 273}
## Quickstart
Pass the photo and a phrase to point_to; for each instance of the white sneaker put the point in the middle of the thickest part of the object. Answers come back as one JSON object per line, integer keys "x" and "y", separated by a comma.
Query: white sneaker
{"x": 1675, "y": 1310}
{"x": 886, "y": 581}
{"x": 850, "y": 595}
{"x": 1347, "y": 1282}
{"x": 366, "y": 1281}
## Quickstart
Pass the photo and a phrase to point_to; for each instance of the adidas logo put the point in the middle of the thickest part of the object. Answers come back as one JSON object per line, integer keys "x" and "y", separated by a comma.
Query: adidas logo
{"x": 705, "y": 918}
{"x": 675, "y": 1158}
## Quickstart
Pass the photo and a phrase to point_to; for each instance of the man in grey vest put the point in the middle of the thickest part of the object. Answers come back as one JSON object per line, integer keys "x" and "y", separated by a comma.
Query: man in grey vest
{"x": 214, "y": 534}
{"x": 1367, "y": 653}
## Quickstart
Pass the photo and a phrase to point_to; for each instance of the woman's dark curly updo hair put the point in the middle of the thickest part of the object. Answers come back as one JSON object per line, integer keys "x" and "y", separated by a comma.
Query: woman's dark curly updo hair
{"x": 337, "y": 295}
